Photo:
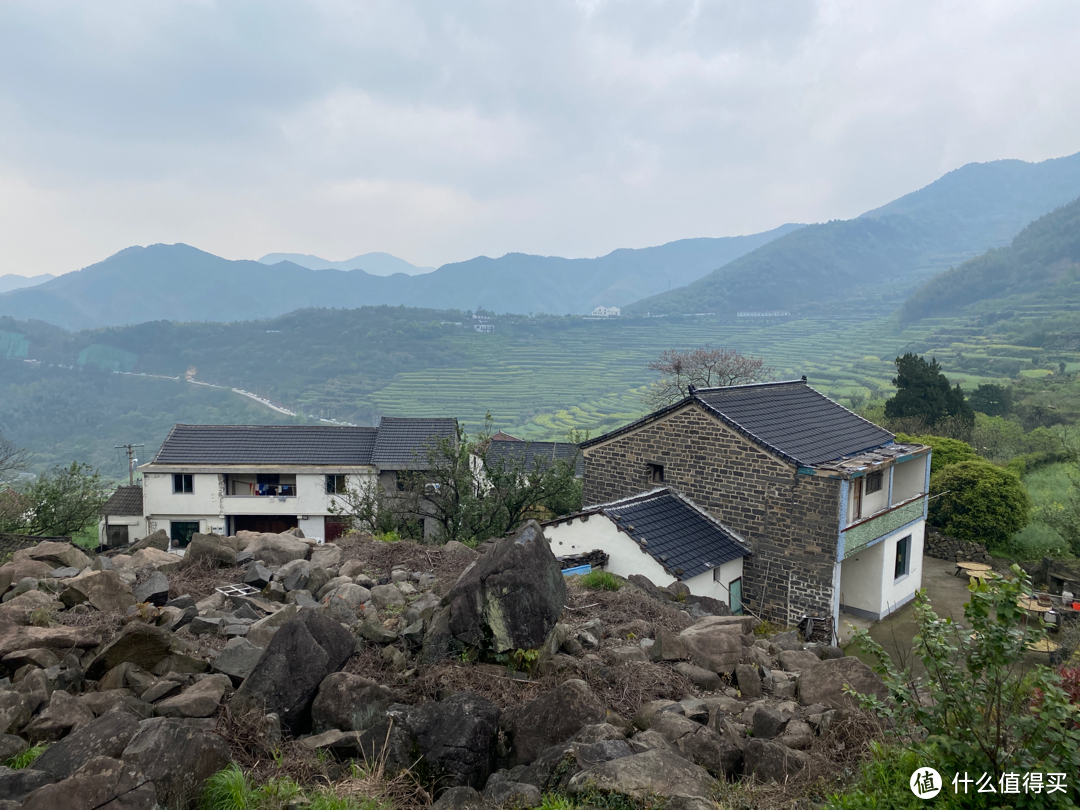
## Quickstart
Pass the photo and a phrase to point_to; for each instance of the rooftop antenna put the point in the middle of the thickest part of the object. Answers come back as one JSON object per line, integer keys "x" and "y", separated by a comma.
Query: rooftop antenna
{"x": 130, "y": 448}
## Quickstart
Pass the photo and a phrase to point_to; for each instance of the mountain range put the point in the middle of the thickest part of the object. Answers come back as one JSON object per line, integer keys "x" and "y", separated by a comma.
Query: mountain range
{"x": 10, "y": 281}
{"x": 182, "y": 283}
{"x": 374, "y": 264}
{"x": 868, "y": 266}
{"x": 881, "y": 256}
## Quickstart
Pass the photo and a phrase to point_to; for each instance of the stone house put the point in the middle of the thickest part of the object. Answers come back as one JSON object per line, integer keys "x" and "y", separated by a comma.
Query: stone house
{"x": 269, "y": 478}
{"x": 661, "y": 535}
{"x": 832, "y": 506}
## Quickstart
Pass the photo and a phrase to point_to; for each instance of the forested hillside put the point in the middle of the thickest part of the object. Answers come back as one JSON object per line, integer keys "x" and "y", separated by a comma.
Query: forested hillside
{"x": 1041, "y": 261}
{"x": 872, "y": 263}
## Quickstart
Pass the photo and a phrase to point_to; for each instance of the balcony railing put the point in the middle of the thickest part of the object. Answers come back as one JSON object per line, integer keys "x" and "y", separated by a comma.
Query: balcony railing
{"x": 859, "y": 535}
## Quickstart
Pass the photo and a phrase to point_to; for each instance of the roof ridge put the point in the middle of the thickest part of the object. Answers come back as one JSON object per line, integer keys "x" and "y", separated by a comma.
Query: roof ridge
{"x": 800, "y": 381}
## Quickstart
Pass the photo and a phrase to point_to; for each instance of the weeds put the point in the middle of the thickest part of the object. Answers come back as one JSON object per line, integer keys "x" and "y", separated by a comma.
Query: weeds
{"x": 601, "y": 581}
{"x": 26, "y": 758}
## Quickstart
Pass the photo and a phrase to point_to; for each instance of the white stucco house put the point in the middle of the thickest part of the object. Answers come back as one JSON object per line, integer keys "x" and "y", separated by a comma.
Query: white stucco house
{"x": 270, "y": 478}
{"x": 659, "y": 534}
{"x": 606, "y": 312}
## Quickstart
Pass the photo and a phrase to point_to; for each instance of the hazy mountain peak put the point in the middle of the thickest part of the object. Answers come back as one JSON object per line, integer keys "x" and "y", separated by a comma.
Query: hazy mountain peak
{"x": 375, "y": 264}
{"x": 11, "y": 281}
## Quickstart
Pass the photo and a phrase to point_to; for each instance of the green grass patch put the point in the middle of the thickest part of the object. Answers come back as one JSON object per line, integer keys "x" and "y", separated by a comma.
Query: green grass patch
{"x": 883, "y": 782}
{"x": 601, "y": 581}
{"x": 26, "y": 758}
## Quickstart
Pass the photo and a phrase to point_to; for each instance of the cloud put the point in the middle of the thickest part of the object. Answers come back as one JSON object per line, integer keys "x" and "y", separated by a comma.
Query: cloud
{"x": 442, "y": 131}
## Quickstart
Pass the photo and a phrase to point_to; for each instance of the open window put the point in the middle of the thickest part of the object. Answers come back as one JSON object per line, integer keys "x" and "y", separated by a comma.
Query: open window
{"x": 656, "y": 473}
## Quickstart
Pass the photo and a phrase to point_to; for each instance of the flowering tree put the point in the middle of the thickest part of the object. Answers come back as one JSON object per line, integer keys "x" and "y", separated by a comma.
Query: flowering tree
{"x": 703, "y": 367}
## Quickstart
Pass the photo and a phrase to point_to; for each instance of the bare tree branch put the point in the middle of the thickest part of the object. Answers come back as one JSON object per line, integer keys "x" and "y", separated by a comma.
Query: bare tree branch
{"x": 702, "y": 367}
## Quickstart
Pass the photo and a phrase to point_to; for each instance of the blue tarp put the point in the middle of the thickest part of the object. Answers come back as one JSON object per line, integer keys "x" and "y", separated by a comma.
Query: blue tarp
{"x": 581, "y": 569}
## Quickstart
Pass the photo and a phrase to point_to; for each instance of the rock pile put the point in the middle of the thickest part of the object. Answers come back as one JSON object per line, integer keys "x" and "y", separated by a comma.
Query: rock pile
{"x": 131, "y": 717}
{"x": 943, "y": 547}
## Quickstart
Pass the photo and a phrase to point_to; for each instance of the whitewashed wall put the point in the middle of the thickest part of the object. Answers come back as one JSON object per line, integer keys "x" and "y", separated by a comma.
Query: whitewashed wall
{"x": 867, "y": 586}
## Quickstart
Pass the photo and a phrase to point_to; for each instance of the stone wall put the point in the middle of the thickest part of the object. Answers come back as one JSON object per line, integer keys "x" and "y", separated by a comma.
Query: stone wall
{"x": 943, "y": 547}
{"x": 792, "y": 521}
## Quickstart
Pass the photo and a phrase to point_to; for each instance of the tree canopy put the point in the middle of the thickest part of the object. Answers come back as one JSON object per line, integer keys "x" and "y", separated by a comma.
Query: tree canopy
{"x": 703, "y": 367}
{"x": 976, "y": 502}
{"x": 923, "y": 392}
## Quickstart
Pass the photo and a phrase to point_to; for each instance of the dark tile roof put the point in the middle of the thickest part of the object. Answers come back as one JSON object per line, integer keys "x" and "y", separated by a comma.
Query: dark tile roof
{"x": 530, "y": 452}
{"x": 794, "y": 420}
{"x": 125, "y": 501}
{"x": 679, "y": 535}
{"x": 403, "y": 443}
{"x": 267, "y": 444}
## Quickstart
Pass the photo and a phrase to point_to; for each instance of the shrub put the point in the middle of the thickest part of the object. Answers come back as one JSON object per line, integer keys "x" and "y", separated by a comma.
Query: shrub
{"x": 944, "y": 451}
{"x": 978, "y": 707}
{"x": 883, "y": 781}
{"x": 601, "y": 581}
{"x": 1033, "y": 542}
{"x": 976, "y": 502}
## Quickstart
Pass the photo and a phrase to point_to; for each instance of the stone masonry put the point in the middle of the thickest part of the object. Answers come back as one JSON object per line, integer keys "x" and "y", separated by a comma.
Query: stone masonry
{"x": 791, "y": 521}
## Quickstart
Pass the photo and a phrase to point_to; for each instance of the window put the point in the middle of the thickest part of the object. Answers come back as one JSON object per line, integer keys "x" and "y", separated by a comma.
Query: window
{"x": 336, "y": 484}
{"x": 182, "y": 482}
{"x": 180, "y": 531}
{"x": 903, "y": 557}
{"x": 656, "y": 473}
{"x": 856, "y": 499}
{"x": 874, "y": 482}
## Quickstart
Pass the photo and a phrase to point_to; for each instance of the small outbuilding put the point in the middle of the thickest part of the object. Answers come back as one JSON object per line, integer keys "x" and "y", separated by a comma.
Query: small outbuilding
{"x": 662, "y": 535}
{"x": 122, "y": 520}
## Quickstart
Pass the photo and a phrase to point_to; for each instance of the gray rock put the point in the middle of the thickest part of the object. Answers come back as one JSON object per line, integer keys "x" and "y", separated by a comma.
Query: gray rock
{"x": 326, "y": 556}
{"x": 102, "y": 782}
{"x": 506, "y": 792}
{"x": 15, "y": 785}
{"x": 769, "y": 761}
{"x": 769, "y": 722}
{"x": 301, "y": 598}
{"x": 237, "y": 660}
{"x": 257, "y": 575}
{"x": 746, "y": 675}
{"x": 11, "y": 745}
{"x": 210, "y": 548}
{"x": 139, "y": 644}
{"x": 713, "y": 643}
{"x": 200, "y": 700}
{"x": 106, "y": 736}
{"x": 64, "y": 573}
{"x": 667, "y": 646}
{"x": 349, "y": 703}
{"x": 201, "y": 625}
{"x": 552, "y": 718}
{"x": 63, "y": 715}
{"x": 797, "y": 660}
{"x": 277, "y": 685}
{"x": 459, "y": 798}
{"x": 177, "y": 757}
{"x": 155, "y": 590}
{"x": 510, "y": 599}
{"x": 825, "y": 683}
{"x": 384, "y": 596}
{"x": 701, "y": 745}
{"x": 278, "y": 549}
{"x": 703, "y": 678}
{"x": 788, "y": 640}
{"x": 103, "y": 590}
{"x": 655, "y": 772}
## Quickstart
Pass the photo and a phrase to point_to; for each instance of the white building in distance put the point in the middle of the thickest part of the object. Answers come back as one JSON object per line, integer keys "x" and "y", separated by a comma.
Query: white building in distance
{"x": 606, "y": 312}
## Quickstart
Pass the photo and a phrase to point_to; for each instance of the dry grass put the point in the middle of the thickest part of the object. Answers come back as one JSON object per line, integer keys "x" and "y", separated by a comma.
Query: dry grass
{"x": 614, "y": 608}
{"x": 380, "y": 558}
{"x": 201, "y": 578}
{"x": 624, "y": 689}
{"x": 263, "y": 757}
{"x": 108, "y": 622}
{"x": 371, "y": 781}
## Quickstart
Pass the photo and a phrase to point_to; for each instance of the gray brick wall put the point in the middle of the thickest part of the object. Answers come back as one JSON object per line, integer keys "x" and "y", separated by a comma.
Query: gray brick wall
{"x": 791, "y": 520}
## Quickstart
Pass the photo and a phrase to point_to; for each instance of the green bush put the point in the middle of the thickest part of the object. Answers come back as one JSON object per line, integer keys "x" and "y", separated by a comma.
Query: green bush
{"x": 601, "y": 581}
{"x": 1032, "y": 543}
{"x": 884, "y": 780}
{"x": 976, "y": 502}
{"x": 944, "y": 451}
{"x": 26, "y": 758}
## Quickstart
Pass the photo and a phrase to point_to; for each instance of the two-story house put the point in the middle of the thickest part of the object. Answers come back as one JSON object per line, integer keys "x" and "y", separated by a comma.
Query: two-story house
{"x": 270, "y": 478}
{"x": 831, "y": 505}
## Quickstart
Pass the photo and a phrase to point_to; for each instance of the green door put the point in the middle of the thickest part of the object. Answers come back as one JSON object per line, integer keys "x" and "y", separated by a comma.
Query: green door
{"x": 735, "y": 596}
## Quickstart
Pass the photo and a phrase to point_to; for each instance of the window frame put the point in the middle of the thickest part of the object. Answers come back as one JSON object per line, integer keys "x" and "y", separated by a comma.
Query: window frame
{"x": 186, "y": 483}
{"x": 333, "y": 481}
{"x": 902, "y": 555}
{"x": 656, "y": 472}
{"x": 875, "y": 482}
{"x": 174, "y": 542}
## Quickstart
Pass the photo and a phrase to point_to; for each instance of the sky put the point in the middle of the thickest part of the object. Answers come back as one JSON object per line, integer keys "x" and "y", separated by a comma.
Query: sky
{"x": 441, "y": 131}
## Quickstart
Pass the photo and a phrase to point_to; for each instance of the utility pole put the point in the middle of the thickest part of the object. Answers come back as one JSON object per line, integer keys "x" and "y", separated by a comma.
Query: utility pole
{"x": 130, "y": 448}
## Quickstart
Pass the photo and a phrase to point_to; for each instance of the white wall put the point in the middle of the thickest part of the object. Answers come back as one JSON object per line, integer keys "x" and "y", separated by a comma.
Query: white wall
{"x": 867, "y": 586}
{"x": 625, "y": 557}
{"x": 159, "y": 498}
{"x": 909, "y": 479}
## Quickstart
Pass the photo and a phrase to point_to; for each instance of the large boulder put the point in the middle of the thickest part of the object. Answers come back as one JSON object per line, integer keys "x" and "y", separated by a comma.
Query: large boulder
{"x": 238, "y": 659}
{"x": 63, "y": 715}
{"x": 158, "y": 540}
{"x": 103, "y": 590}
{"x": 163, "y": 561}
{"x": 277, "y": 549}
{"x": 57, "y": 555}
{"x": 19, "y": 637}
{"x": 210, "y": 548}
{"x": 154, "y": 590}
{"x": 450, "y": 743}
{"x": 349, "y": 703}
{"x": 657, "y": 772}
{"x": 14, "y": 571}
{"x": 769, "y": 761}
{"x": 103, "y": 782}
{"x": 106, "y": 736}
{"x": 300, "y": 655}
{"x": 700, "y": 744}
{"x": 200, "y": 700}
{"x": 177, "y": 757}
{"x": 714, "y": 643}
{"x": 552, "y": 718}
{"x": 138, "y": 644}
{"x": 15, "y": 784}
{"x": 326, "y": 556}
{"x": 825, "y": 683}
{"x": 509, "y": 599}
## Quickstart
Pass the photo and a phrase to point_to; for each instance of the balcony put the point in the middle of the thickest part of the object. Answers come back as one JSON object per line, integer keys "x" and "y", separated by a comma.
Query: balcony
{"x": 859, "y": 535}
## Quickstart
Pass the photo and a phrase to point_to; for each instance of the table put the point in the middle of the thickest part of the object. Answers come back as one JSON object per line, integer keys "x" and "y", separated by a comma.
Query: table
{"x": 970, "y": 568}
{"x": 1033, "y": 606}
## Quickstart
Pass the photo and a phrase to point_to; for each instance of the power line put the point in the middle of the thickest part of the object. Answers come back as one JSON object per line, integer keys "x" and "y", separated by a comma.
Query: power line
{"x": 130, "y": 448}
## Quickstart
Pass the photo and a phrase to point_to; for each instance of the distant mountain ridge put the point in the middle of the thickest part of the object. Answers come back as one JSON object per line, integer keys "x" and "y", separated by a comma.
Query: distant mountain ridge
{"x": 375, "y": 264}
{"x": 182, "y": 283}
{"x": 882, "y": 255}
{"x": 11, "y": 281}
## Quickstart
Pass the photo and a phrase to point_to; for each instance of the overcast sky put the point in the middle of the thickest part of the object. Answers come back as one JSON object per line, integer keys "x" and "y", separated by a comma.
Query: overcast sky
{"x": 440, "y": 131}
